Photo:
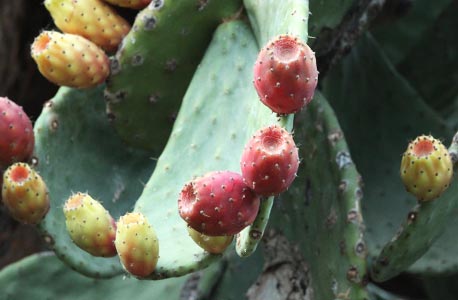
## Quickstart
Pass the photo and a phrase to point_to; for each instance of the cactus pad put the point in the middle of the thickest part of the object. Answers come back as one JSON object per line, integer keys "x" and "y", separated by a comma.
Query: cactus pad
{"x": 155, "y": 63}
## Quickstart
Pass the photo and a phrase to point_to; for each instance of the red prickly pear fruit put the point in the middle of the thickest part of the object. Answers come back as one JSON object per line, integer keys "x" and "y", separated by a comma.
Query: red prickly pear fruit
{"x": 218, "y": 203}
{"x": 91, "y": 19}
{"x": 426, "y": 168}
{"x": 137, "y": 244}
{"x": 285, "y": 74}
{"x": 211, "y": 244}
{"x": 70, "y": 60}
{"x": 16, "y": 131}
{"x": 90, "y": 225}
{"x": 135, "y": 4}
{"x": 25, "y": 194}
{"x": 270, "y": 161}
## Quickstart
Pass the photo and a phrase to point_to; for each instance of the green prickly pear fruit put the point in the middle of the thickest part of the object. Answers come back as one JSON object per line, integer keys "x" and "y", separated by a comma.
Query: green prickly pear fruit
{"x": 92, "y": 19}
{"x": 90, "y": 225}
{"x": 211, "y": 244}
{"x": 25, "y": 194}
{"x": 16, "y": 132}
{"x": 70, "y": 60}
{"x": 135, "y": 4}
{"x": 137, "y": 244}
{"x": 426, "y": 168}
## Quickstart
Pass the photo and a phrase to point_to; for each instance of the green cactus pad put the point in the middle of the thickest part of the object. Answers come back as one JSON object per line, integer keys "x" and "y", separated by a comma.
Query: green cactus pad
{"x": 270, "y": 18}
{"x": 44, "y": 276}
{"x": 155, "y": 64}
{"x": 325, "y": 197}
{"x": 441, "y": 92}
{"x": 77, "y": 151}
{"x": 397, "y": 39}
{"x": 393, "y": 114}
{"x": 204, "y": 138}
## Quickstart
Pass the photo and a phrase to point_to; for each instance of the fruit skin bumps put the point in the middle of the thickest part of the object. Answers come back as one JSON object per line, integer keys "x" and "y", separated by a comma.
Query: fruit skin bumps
{"x": 25, "y": 194}
{"x": 16, "y": 131}
{"x": 70, "y": 60}
{"x": 91, "y": 19}
{"x": 137, "y": 244}
{"x": 90, "y": 225}
{"x": 270, "y": 161}
{"x": 285, "y": 74}
{"x": 218, "y": 203}
{"x": 426, "y": 168}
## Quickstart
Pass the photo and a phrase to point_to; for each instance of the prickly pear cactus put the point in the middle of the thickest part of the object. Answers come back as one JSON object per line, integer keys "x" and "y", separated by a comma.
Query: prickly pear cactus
{"x": 179, "y": 103}
{"x": 72, "y": 131}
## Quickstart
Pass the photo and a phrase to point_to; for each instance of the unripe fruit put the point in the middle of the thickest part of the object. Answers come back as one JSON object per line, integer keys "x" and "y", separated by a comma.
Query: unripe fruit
{"x": 270, "y": 161}
{"x": 426, "y": 168}
{"x": 16, "y": 132}
{"x": 137, "y": 244}
{"x": 218, "y": 203}
{"x": 285, "y": 74}
{"x": 136, "y": 4}
{"x": 90, "y": 225}
{"x": 91, "y": 19}
{"x": 25, "y": 194}
{"x": 70, "y": 60}
{"x": 211, "y": 244}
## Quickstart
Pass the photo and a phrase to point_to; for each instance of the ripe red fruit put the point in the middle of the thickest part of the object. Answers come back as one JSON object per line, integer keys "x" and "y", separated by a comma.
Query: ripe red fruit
{"x": 218, "y": 203}
{"x": 16, "y": 131}
{"x": 285, "y": 74}
{"x": 270, "y": 161}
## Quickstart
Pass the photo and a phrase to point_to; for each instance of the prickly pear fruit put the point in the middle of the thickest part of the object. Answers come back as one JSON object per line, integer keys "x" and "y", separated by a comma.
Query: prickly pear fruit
{"x": 285, "y": 74}
{"x": 218, "y": 203}
{"x": 137, "y": 244}
{"x": 25, "y": 194}
{"x": 426, "y": 168}
{"x": 90, "y": 225}
{"x": 70, "y": 60}
{"x": 270, "y": 161}
{"x": 17, "y": 139}
{"x": 211, "y": 244}
{"x": 135, "y": 4}
{"x": 92, "y": 19}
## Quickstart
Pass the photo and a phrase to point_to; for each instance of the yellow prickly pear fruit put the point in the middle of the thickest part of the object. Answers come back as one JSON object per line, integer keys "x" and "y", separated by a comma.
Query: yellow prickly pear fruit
{"x": 70, "y": 60}
{"x": 25, "y": 194}
{"x": 426, "y": 168}
{"x": 211, "y": 244}
{"x": 92, "y": 19}
{"x": 90, "y": 225}
{"x": 137, "y": 244}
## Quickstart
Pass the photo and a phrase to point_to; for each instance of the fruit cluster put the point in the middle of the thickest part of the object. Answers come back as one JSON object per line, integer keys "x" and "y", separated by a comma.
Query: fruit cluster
{"x": 222, "y": 203}
{"x": 77, "y": 57}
